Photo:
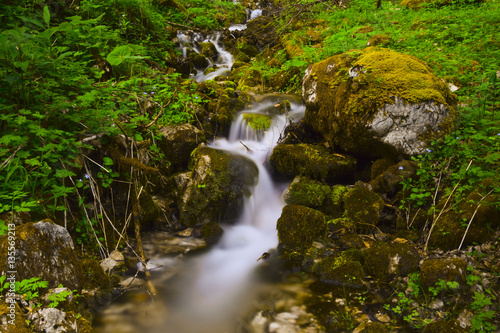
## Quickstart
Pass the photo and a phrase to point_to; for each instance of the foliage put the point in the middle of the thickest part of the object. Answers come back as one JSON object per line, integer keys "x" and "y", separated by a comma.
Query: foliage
{"x": 28, "y": 288}
{"x": 57, "y": 298}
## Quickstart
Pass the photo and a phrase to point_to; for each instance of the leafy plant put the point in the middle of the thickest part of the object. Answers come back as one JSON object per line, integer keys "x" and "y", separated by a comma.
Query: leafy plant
{"x": 57, "y": 298}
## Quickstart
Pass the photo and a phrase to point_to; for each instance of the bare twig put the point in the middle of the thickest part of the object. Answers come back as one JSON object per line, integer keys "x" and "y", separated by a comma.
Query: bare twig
{"x": 472, "y": 218}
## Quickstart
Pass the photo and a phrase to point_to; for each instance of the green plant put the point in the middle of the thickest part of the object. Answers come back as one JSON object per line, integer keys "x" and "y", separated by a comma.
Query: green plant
{"x": 27, "y": 288}
{"x": 56, "y": 298}
{"x": 481, "y": 307}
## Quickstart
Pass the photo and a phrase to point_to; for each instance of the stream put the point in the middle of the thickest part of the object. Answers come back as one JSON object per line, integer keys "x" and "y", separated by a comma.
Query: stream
{"x": 213, "y": 291}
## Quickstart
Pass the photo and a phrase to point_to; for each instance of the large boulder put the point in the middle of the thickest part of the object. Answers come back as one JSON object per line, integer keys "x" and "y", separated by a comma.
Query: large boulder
{"x": 215, "y": 189}
{"x": 44, "y": 250}
{"x": 377, "y": 102}
{"x": 313, "y": 161}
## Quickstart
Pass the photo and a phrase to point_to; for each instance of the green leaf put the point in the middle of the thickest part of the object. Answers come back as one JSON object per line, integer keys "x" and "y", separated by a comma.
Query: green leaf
{"x": 46, "y": 15}
{"x": 62, "y": 173}
{"x": 138, "y": 137}
{"x": 107, "y": 161}
{"x": 118, "y": 55}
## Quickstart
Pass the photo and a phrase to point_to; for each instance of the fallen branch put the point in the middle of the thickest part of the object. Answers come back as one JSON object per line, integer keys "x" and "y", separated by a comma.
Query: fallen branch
{"x": 472, "y": 218}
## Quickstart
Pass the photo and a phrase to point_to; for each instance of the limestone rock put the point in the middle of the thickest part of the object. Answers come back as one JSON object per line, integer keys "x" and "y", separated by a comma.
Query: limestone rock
{"x": 377, "y": 102}
{"x": 216, "y": 188}
{"x": 44, "y": 250}
{"x": 51, "y": 320}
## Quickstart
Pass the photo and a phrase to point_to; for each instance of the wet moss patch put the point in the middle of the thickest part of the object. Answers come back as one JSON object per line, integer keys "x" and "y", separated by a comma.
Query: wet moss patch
{"x": 363, "y": 207}
{"x": 307, "y": 192}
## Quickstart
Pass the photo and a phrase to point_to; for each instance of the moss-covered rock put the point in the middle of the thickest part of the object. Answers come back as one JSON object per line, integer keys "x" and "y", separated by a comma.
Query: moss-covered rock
{"x": 448, "y": 326}
{"x": 251, "y": 78}
{"x": 211, "y": 232}
{"x": 390, "y": 180}
{"x": 215, "y": 189}
{"x": 380, "y": 165}
{"x": 447, "y": 269}
{"x": 307, "y": 192}
{"x": 177, "y": 143}
{"x": 334, "y": 204}
{"x": 340, "y": 270}
{"x": 199, "y": 60}
{"x": 209, "y": 50}
{"x": 388, "y": 260}
{"x": 299, "y": 226}
{"x": 43, "y": 250}
{"x": 363, "y": 207}
{"x": 361, "y": 101}
{"x": 379, "y": 40}
{"x": 313, "y": 161}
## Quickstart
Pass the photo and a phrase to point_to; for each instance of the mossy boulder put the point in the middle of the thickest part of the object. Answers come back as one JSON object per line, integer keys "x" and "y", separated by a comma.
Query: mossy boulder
{"x": 313, "y": 161}
{"x": 390, "y": 180}
{"x": 377, "y": 102}
{"x": 215, "y": 189}
{"x": 299, "y": 226}
{"x": 447, "y": 269}
{"x": 209, "y": 50}
{"x": 448, "y": 326}
{"x": 363, "y": 207}
{"x": 307, "y": 192}
{"x": 340, "y": 270}
{"x": 199, "y": 60}
{"x": 389, "y": 260}
{"x": 248, "y": 49}
{"x": 177, "y": 143}
{"x": 45, "y": 250}
{"x": 251, "y": 78}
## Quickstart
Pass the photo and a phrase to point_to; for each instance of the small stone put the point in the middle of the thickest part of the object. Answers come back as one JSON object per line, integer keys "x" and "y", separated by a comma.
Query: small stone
{"x": 383, "y": 318}
{"x": 436, "y": 304}
{"x": 186, "y": 233}
{"x": 464, "y": 319}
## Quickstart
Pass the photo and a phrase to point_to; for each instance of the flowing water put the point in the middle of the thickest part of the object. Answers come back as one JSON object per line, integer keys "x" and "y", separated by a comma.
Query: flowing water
{"x": 207, "y": 293}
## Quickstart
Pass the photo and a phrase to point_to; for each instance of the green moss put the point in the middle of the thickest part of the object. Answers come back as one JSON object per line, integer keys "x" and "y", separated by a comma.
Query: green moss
{"x": 387, "y": 260}
{"x": 313, "y": 161}
{"x": 343, "y": 101}
{"x": 447, "y": 269}
{"x": 307, "y": 192}
{"x": 299, "y": 226}
{"x": 380, "y": 165}
{"x": 94, "y": 275}
{"x": 448, "y": 326}
{"x": 18, "y": 319}
{"x": 363, "y": 207}
{"x": 334, "y": 204}
{"x": 340, "y": 271}
{"x": 259, "y": 122}
{"x": 209, "y": 50}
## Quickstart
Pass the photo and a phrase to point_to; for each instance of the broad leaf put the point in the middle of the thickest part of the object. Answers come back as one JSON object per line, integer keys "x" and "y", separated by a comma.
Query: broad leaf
{"x": 118, "y": 55}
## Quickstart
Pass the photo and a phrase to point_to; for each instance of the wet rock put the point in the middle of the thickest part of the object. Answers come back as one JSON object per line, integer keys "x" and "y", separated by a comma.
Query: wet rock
{"x": 177, "y": 143}
{"x": 44, "y": 250}
{"x": 377, "y": 102}
{"x": 313, "y": 161}
{"x": 389, "y": 260}
{"x": 447, "y": 269}
{"x": 216, "y": 188}
{"x": 114, "y": 263}
{"x": 298, "y": 227}
{"x": 252, "y": 78}
{"x": 363, "y": 207}
{"x": 306, "y": 192}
